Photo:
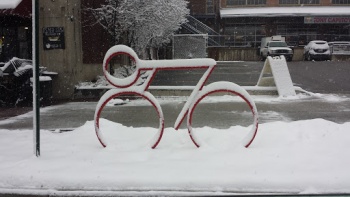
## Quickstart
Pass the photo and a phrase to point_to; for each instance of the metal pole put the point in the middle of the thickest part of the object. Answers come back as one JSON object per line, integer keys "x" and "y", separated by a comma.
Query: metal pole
{"x": 36, "y": 90}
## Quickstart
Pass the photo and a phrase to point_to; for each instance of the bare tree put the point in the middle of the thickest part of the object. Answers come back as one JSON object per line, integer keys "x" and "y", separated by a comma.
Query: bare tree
{"x": 142, "y": 24}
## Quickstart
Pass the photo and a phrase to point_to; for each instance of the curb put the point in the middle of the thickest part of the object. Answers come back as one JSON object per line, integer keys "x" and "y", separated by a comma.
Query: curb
{"x": 85, "y": 94}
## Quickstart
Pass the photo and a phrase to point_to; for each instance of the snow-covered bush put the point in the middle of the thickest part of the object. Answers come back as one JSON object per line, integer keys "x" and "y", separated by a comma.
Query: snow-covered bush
{"x": 120, "y": 72}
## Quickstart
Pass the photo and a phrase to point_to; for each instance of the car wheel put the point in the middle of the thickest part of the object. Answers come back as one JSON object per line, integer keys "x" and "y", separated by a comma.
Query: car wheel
{"x": 304, "y": 57}
{"x": 308, "y": 57}
{"x": 262, "y": 58}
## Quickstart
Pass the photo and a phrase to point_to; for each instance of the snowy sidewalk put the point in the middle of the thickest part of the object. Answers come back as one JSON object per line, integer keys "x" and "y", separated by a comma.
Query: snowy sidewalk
{"x": 296, "y": 151}
{"x": 136, "y": 112}
{"x": 301, "y": 157}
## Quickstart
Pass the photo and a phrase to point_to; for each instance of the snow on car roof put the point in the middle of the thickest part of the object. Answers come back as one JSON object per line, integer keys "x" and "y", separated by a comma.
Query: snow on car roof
{"x": 319, "y": 41}
{"x": 319, "y": 44}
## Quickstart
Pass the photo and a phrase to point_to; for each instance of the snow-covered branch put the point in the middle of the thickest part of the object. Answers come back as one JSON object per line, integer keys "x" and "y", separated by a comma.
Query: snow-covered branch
{"x": 142, "y": 24}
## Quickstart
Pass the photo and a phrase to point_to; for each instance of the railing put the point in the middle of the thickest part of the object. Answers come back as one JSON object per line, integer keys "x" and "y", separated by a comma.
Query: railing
{"x": 195, "y": 26}
{"x": 199, "y": 26}
{"x": 255, "y": 40}
{"x": 340, "y": 48}
{"x": 232, "y": 41}
{"x": 213, "y": 40}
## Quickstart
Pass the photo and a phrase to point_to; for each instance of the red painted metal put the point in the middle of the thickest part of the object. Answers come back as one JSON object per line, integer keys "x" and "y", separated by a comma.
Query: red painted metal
{"x": 97, "y": 118}
{"x": 215, "y": 91}
{"x": 144, "y": 65}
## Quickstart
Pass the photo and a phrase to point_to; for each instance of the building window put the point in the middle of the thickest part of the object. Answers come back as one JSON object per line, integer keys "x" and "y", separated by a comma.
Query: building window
{"x": 340, "y": 1}
{"x": 288, "y": 1}
{"x": 210, "y": 7}
{"x": 309, "y": 1}
{"x": 8, "y": 43}
{"x": 293, "y": 2}
{"x": 244, "y": 35}
{"x": 245, "y": 2}
{"x": 235, "y": 2}
{"x": 256, "y": 2}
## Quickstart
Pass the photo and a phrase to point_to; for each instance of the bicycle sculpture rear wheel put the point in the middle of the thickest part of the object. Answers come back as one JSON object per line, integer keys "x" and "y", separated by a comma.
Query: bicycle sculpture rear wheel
{"x": 230, "y": 88}
{"x": 113, "y": 93}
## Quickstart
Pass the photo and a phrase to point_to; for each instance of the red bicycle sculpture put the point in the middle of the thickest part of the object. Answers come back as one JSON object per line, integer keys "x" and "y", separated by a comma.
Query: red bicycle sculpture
{"x": 127, "y": 86}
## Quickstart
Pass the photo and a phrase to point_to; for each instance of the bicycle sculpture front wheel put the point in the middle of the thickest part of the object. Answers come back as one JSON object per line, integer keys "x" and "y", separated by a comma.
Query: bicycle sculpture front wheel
{"x": 113, "y": 93}
{"x": 230, "y": 88}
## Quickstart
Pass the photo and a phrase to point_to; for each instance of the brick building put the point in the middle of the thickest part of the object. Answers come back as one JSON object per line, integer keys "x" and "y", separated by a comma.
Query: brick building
{"x": 242, "y": 23}
{"x": 78, "y": 54}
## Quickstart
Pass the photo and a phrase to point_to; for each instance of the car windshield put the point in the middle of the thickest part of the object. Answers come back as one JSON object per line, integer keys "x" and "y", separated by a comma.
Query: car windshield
{"x": 278, "y": 44}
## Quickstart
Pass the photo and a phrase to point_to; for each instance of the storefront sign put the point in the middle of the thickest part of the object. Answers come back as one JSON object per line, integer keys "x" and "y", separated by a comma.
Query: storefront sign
{"x": 53, "y": 38}
{"x": 326, "y": 19}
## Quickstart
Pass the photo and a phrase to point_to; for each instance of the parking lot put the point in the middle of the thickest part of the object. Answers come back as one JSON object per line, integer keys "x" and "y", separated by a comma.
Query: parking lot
{"x": 328, "y": 80}
{"x": 314, "y": 76}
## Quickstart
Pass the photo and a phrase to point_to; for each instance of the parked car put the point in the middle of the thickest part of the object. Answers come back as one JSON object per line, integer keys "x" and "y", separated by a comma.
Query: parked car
{"x": 275, "y": 46}
{"x": 317, "y": 50}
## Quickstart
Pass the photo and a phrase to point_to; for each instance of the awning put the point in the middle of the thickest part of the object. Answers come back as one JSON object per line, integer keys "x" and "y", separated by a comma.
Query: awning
{"x": 21, "y": 8}
{"x": 9, "y": 4}
{"x": 285, "y": 11}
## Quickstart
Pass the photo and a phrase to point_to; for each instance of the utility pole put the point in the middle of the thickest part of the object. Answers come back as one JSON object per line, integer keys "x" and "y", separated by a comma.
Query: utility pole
{"x": 36, "y": 90}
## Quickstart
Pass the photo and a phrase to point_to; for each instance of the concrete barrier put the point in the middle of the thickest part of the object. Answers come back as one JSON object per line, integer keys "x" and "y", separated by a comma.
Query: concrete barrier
{"x": 233, "y": 54}
{"x": 340, "y": 57}
{"x": 244, "y": 54}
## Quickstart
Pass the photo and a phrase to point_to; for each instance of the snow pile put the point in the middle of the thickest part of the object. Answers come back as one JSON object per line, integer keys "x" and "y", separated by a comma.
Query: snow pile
{"x": 297, "y": 157}
{"x": 100, "y": 82}
{"x": 121, "y": 72}
{"x": 116, "y": 101}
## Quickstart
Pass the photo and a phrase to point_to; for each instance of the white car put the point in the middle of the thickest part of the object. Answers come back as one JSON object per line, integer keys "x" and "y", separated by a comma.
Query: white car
{"x": 275, "y": 46}
{"x": 317, "y": 50}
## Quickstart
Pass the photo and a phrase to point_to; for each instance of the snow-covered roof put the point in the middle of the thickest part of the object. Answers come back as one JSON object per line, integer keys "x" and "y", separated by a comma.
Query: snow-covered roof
{"x": 21, "y": 8}
{"x": 285, "y": 11}
{"x": 9, "y": 4}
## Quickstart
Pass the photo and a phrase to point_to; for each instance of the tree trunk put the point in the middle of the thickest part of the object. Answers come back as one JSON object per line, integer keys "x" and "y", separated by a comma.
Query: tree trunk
{"x": 154, "y": 53}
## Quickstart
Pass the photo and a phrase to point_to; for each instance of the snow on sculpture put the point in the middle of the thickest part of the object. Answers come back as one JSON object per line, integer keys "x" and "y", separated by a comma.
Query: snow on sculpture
{"x": 127, "y": 86}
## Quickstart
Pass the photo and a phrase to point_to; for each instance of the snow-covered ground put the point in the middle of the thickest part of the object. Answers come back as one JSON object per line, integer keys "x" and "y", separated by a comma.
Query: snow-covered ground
{"x": 300, "y": 157}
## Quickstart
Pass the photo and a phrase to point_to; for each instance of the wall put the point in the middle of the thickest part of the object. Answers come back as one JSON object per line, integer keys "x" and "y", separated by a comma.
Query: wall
{"x": 244, "y": 54}
{"x": 197, "y": 7}
{"x": 340, "y": 57}
{"x": 92, "y": 33}
{"x": 66, "y": 62}
{"x": 233, "y": 54}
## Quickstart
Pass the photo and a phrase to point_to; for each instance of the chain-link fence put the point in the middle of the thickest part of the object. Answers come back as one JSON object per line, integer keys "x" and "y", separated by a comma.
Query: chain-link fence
{"x": 187, "y": 46}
